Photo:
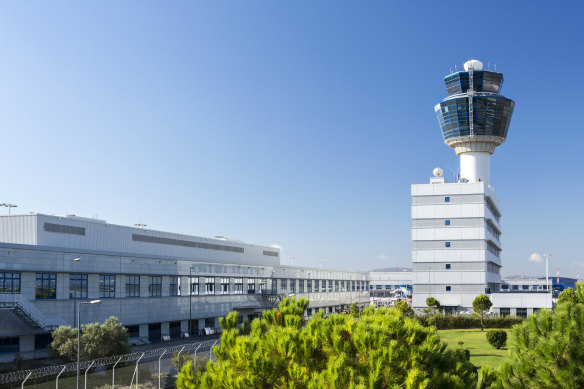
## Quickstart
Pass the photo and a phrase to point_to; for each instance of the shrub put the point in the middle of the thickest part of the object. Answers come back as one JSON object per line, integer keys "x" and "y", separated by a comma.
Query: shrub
{"x": 446, "y": 322}
{"x": 497, "y": 338}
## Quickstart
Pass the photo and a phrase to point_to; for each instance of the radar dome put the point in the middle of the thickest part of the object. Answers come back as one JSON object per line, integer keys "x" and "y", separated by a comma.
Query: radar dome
{"x": 438, "y": 172}
{"x": 476, "y": 65}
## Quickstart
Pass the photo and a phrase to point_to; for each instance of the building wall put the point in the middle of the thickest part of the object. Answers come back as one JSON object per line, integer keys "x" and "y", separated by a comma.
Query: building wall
{"x": 455, "y": 242}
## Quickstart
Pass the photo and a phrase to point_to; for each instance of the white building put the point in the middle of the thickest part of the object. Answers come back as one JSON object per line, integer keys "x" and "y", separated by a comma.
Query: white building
{"x": 157, "y": 283}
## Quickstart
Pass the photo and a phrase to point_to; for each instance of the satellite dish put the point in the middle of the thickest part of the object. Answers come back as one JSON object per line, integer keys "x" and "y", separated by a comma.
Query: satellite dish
{"x": 438, "y": 172}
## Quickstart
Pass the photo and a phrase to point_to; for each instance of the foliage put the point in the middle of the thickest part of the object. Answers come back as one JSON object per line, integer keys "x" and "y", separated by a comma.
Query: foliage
{"x": 355, "y": 309}
{"x": 381, "y": 349}
{"x": 405, "y": 308}
{"x": 186, "y": 376}
{"x": 497, "y": 338}
{"x": 548, "y": 349}
{"x": 571, "y": 296}
{"x": 481, "y": 304}
{"x": 443, "y": 322}
{"x": 97, "y": 340}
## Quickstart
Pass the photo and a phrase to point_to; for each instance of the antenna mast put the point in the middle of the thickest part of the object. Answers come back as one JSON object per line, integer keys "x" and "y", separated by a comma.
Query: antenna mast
{"x": 470, "y": 94}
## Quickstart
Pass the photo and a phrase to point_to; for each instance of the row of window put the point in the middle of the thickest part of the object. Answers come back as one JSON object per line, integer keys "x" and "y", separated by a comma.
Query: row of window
{"x": 46, "y": 285}
{"x": 11, "y": 344}
{"x": 519, "y": 312}
{"x": 386, "y": 287}
{"x": 523, "y": 287}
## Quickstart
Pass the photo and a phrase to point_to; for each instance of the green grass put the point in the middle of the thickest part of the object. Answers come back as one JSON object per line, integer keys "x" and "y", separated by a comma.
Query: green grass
{"x": 481, "y": 352}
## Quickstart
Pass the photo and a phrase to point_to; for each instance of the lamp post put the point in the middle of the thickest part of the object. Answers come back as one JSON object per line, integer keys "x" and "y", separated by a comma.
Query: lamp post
{"x": 75, "y": 260}
{"x": 8, "y": 205}
{"x": 79, "y": 333}
{"x": 190, "y": 301}
{"x": 547, "y": 263}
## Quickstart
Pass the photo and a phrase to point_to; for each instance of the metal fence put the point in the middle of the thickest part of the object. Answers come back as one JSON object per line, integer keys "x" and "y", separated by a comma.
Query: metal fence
{"x": 149, "y": 369}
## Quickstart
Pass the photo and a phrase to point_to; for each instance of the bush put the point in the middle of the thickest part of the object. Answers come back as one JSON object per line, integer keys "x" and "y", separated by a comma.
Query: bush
{"x": 497, "y": 338}
{"x": 447, "y": 322}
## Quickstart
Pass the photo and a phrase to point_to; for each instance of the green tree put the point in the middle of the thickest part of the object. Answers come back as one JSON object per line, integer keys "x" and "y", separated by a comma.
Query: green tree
{"x": 433, "y": 308}
{"x": 547, "y": 350}
{"x": 355, "y": 309}
{"x": 405, "y": 308}
{"x": 481, "y": 304}
{"x": 381, "y": 349}
{"x": 97, "y": 340}
{"x": 571, "y": 296}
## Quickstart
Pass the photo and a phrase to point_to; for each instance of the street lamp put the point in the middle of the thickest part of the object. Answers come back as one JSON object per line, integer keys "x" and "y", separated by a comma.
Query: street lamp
{"x": 75, "y": 260}
{"x": 8, "y": 205}
{"x": 79, "y": 333}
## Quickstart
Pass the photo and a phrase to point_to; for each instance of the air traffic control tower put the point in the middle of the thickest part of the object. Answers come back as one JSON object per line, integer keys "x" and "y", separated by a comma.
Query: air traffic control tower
{"x": 456, "y": 227}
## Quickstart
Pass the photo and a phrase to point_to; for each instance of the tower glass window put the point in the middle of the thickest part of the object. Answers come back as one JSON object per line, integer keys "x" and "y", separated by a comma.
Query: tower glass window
{"x": 78, "y": 286}
{"x": 46, "y": 286}
{"x": 132, "y": 286}
{"x": 107, "y": 286}
{"x": 9, "y": 282}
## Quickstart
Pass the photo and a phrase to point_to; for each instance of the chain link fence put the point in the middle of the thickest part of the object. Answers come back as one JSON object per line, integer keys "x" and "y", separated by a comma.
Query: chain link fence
{"x": 148, "y": 370}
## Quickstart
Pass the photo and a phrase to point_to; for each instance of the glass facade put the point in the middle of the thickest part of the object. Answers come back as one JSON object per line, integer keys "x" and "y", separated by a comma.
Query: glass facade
{"x": 78, "y": 286}
{"x": 132, "y": 286}
{"x": 107, "y": 286}
{"x": 491, "y": 111}
{"x": 155, "y": 287}
{"x": 46, "y": 286}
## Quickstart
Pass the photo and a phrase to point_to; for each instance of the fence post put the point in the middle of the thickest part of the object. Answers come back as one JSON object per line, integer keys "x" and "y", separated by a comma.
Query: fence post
{"x": 211, "y": 351}
{"x": 58, "y": 375}
{"x": 178, "y": 357}
{"x": 159, "y": 373}
{"x": 195, "y": 356}
{"x": 22, "y": 386}
{"x": 92, "y": 362}
{"x": 114, "y": 373}
{"x": 137, "y": 362}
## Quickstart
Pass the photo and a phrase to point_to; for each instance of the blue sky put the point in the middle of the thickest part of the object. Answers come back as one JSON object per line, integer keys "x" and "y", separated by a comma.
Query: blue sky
{"x": 301, "y": 124}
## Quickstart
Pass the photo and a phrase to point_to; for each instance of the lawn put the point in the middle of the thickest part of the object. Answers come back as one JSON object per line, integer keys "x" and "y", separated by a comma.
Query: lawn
{"x": 481, "y": 352}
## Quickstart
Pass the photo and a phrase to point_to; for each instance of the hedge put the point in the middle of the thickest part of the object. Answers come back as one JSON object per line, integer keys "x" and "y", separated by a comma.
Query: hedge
{"x": 446, "y": 322}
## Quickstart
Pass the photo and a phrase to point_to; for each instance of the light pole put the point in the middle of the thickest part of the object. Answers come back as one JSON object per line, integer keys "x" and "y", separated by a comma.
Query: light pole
{"x": 8, "y": 205}
{"x": 79, "y": 333}
{"x": 75, "y": 260}
{"x": 190, "y": 301}
{"x": 547, "y": 263}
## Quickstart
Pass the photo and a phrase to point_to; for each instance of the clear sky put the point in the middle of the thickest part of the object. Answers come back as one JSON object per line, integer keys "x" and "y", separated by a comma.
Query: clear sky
{"x": 296, "y": 123}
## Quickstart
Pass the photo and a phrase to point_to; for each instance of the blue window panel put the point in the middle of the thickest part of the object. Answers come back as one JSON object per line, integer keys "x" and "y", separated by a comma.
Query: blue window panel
{"x": 378, "y": 286}
{"x": 9, "y": 345}
{"x": 446, "y": 244}
{"x": 447, "y": 266}
{"x": 447, "y": 199}
{"x": 46, "y": 286}
{"x": 9, "y": 282}
{"x": 78, "y": 286}
{"x": 107, "y": 286}
{"x": 446, "y": 222}
{"x": 448, "y": 288}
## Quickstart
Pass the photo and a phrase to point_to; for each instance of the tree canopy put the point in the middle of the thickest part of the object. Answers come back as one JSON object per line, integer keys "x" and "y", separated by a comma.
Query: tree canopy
{"x": 481, "y": 304}
{"x": 381, "y": 349}
{"x": 97, "y": 340}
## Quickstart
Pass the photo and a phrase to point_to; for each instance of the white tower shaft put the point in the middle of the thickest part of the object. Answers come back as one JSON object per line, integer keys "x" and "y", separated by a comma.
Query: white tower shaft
{"x": 475, "y": 166}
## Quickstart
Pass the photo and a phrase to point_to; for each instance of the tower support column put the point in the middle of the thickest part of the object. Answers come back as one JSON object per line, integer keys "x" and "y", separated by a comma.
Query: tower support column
{"x": 475, "y": 166}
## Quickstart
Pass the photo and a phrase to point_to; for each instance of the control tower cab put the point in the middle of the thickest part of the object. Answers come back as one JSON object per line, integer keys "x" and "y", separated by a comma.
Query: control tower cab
{"x": 474, "y": 118}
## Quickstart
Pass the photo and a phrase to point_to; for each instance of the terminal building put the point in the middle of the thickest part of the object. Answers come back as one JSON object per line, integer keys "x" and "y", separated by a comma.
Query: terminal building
{"x": 160, "y": 285}
{"x": 456, "y": 226}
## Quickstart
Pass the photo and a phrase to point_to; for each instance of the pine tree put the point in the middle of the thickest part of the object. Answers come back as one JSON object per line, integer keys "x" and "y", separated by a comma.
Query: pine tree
{"x": 481, "y": 304}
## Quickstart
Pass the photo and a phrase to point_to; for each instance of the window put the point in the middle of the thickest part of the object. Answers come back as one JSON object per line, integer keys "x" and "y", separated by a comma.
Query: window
{"x": 46, "y": 286}
{"x": 447, "y": 199}
{"x": 132, "y": 286}
{"x": 42, "y": 341}
{"x": 262, "y": 285}
{"x": 292, "y": 286}
{"x": 446, "y": 222}
{"x": 308, "y": 286}
{"x": 9, "y": 345}
{"x": 238, "y": 286}
{"x": 446, "y": 244}
{"x": 316, "y": 286}
{"x": 448, "y": 288}
{"x": 353, "y": 286}
{"x": 358, "y": 286}
{"x": 378, "y": 286}
{"x": 525, "y": 287}
{"x": 323, "y": 286}
{"x": 447, "y": 266}
{"x": 505, "y": 286}
{"x": 9, "y": 282}
{"x": 283, "y": 286}
{"x": 210, "y": 322}
{"x": 107, "y": 286}
{"x": 300, "y": 286}
{"x": 174, "y": 286}
{"x": 330, "y": 286}
{"x": 194, "y": 286}
{"x": 250, "y": 286}
{"x": 388, "y": 287}
{"x": 155, "y": 287}
{"x": 336, "y": 285}
{"x": 515, "y": 287}
{"x": 154, "y": 332}
{"x": 535, "y": 310}
{"x": 174, "y": 329}
{"x": 505, "y": 312}
{"x": 224, "y": 286}
{"x": 77, "y": 286}
{"x": 210, "y": 285}
{"x": 133, "y": 331}
{"x": 522, "y": 312}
